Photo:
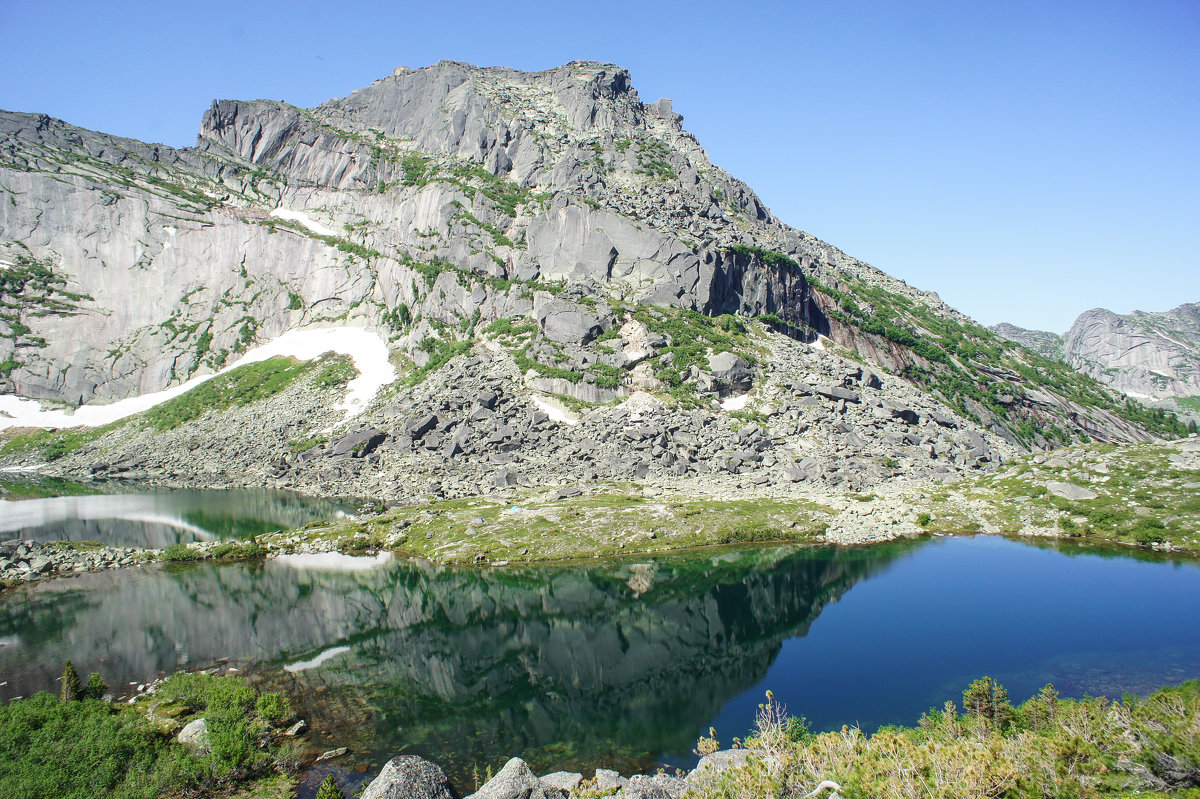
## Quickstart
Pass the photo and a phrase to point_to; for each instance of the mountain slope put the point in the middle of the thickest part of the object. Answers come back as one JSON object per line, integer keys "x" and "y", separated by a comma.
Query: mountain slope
{"x": 552, "y": 218}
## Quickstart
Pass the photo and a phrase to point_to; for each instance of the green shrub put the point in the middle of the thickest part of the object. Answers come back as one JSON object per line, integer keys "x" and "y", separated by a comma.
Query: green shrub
{"x": 329, "y": 789}
{"x": 96, "y": 687}
{"x": 923, "y": 519}
{"x": 274, "y": 707}
{"x": 179, "y": 553}
{"x": 83, "y": 750}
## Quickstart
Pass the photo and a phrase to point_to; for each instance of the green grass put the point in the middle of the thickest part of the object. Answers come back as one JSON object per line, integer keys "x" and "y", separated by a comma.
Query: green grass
{"x": 1140, "y": 499}
{"x": 238, "y": 387}
{"x": 54, "y": 444}
{"x": 613, "y": 523}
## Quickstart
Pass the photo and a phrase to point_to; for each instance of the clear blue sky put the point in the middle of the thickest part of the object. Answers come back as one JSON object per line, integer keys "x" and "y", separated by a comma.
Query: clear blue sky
{"x": 1027, "y": 160}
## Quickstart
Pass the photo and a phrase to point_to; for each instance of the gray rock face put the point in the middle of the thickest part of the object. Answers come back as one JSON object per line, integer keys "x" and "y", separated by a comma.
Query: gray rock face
{"x": 1048, "y": 345}
{"x": 409, "y": 777}
{"x": 1143, "y": 354}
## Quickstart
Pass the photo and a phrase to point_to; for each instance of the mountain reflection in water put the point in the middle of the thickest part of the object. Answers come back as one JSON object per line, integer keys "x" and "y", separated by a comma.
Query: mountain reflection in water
{"x": 614, "y": 663}
{"x": 622, "y": 663}
{"x": 158, "y": 518}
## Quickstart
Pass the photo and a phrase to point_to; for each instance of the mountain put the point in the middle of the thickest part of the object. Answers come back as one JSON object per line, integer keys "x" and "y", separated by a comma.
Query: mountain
{"x": 1150, "y": 356}
{"x": 508, "y": 233}
{"x": 1047, "y": 345}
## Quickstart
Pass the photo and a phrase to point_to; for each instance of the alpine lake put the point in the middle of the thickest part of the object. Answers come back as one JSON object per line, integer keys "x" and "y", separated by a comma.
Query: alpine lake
{"x": 601, "y": 663}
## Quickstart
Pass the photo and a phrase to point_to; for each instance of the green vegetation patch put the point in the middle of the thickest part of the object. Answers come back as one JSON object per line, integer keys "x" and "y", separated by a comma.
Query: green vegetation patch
{"x": 540, "y": 528}
{"x": 968, "y": 366}
{"x": 238, "y": 387}
{"x": 1045, "y": 747}
{"x": 79, "y": 747}
{"x": 1141, "y": 497}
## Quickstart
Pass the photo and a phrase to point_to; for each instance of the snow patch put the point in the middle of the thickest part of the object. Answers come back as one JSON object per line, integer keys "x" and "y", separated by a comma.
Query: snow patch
{"x": 305, "y": 665}
{"x": 333, "y": 562}
{"x": 735, "y": 403}
{"x": 304, "y": 219}
{"x": 553, "y": 410}
{"x": 367, "y": 349}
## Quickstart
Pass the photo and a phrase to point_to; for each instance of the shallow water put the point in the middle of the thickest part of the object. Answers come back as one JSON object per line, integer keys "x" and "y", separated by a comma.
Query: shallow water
{"x": 156, "y": 518}
{"x": 622, "y": 664}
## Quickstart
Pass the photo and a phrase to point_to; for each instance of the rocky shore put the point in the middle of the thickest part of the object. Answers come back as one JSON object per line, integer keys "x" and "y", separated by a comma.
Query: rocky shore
{"x": 410, "y": 777}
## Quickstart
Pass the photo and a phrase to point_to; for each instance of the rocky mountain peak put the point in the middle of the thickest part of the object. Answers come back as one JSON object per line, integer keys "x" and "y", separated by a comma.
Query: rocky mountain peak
{"x": 442, "y": 207}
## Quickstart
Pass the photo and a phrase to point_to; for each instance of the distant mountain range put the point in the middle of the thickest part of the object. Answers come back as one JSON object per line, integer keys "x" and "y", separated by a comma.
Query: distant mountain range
{"x": 1144, "y": 355}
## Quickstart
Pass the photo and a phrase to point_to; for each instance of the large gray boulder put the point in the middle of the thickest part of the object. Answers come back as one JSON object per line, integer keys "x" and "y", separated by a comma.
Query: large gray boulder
{"x": 568, "y": 323}
{"x": 515, "y": 781}
{"x": 659, "y": 786}
{"x": 410, "y": 777}
{"x": 564, "y": 781}
{"x": 1070, "y": 491}
{"x": 730, "y": 369}
{"x": 713, "y": 764}
{"x": 195, "y": 736}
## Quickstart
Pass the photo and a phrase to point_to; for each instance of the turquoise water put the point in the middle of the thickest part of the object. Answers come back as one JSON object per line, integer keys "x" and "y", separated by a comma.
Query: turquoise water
{"x": 116, "y": 516}
{"x": 622, "y": 664}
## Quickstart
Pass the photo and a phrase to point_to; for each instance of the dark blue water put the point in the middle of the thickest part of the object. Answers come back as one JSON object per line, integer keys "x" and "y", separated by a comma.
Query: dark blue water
{"x": 920, "y": 631}
{"x": 623, "y": 664}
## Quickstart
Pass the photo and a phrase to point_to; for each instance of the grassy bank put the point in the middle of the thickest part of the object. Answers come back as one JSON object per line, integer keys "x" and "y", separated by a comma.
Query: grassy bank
{"x": 1046, "y": 747}
{"x": 1145, "y": 495}
{"x": 542, "y": 527}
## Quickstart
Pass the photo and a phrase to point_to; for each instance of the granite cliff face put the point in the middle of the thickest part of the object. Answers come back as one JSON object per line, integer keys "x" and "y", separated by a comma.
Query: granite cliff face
{"x": 1151, "y": 356}
{"x": 445, "y": 207}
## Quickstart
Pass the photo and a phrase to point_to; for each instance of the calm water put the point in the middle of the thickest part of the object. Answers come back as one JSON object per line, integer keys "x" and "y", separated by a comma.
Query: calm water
{"x": 156, "y": 518}
{"x": 622, "y": 664}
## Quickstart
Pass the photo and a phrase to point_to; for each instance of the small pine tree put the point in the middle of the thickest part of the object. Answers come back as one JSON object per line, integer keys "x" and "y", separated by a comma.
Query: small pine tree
{"x": 70, "y": 683}
{"x": 987, "y": 700}
{"x": 1191, "y": 426}
{"x": 329, "y": 789}
{"x": 96, "y": 689}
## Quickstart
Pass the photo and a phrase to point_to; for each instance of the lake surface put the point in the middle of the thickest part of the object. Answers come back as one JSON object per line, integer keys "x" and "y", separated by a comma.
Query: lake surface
{"x": 156, "y": 518}
{"x": 622, "y": 664}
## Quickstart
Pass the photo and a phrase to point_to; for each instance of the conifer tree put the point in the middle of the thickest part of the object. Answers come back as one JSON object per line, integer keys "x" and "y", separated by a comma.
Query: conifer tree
{"x": 96, "y": 689}
{"x": 329, "y": 789}
{"x": 70, "y": 683}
